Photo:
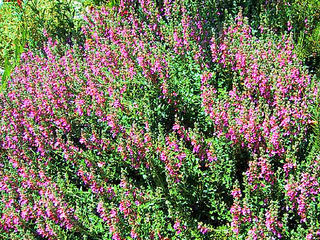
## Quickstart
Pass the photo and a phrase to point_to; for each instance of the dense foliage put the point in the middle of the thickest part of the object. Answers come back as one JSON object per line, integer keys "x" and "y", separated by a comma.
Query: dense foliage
{"x": 168, "y": 120}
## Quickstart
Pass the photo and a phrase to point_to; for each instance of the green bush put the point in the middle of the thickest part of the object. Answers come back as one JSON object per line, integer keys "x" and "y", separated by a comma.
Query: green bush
{"x": 167, "y": 122}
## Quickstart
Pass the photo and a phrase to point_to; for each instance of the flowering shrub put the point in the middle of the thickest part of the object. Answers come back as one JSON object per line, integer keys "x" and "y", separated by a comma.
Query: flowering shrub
{"x": 258, "y": 98}
{"x": 156, "y": 130}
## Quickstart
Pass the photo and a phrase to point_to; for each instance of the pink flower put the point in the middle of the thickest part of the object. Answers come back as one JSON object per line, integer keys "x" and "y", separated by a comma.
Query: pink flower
{"x": 116, "y": 236}
{"x": 163, "y": 156}
{"x": 177, "y": 227}
{"x": 133, "y": 234}
{"x": 140, "y": 61}
{"x": 309, "y": 236}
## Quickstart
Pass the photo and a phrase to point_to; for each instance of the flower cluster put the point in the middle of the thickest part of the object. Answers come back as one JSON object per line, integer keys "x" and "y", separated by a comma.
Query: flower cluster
{"x": 156, "y": 128}
{"x": 257, "y": 104}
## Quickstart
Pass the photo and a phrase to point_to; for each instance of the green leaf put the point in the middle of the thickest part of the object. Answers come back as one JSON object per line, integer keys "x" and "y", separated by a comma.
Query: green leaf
{"x": 6, "y": 74}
